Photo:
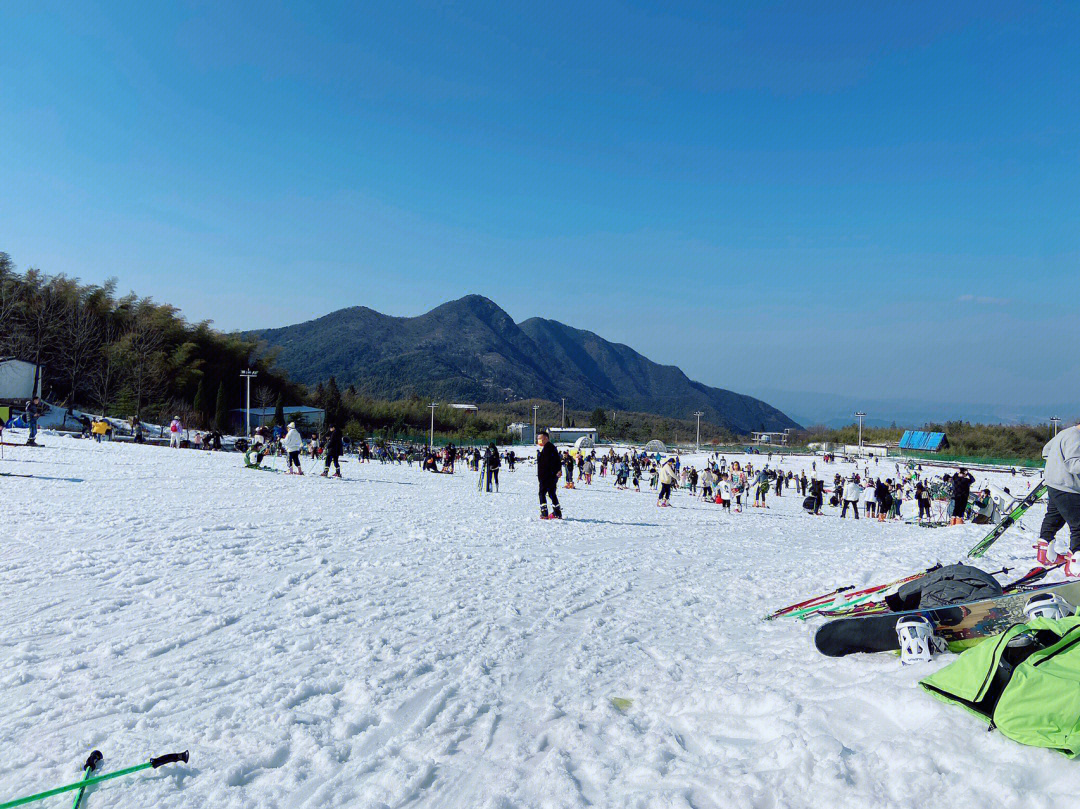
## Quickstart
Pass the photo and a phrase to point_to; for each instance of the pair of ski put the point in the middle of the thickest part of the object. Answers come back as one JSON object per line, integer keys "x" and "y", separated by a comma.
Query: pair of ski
{"x": 89, "y": 779}
{"x": 1036, "y": 574}
{"x": 842, "y": 597}
{"x": 845, "y": 597}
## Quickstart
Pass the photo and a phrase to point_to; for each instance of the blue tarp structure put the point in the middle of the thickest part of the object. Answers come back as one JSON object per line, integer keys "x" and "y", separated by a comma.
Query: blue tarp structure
{"x": 923, "y": 441}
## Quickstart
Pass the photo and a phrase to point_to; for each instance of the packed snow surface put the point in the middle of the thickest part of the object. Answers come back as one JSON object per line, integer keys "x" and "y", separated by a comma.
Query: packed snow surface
{"x": 398, "y": 638}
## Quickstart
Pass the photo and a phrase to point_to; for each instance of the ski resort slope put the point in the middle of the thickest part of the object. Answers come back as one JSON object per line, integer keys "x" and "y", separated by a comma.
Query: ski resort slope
{"x": 398, "y": 638}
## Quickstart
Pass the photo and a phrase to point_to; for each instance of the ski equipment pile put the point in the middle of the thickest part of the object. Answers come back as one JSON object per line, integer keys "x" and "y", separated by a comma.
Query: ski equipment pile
{"x": 1009, "y": 520}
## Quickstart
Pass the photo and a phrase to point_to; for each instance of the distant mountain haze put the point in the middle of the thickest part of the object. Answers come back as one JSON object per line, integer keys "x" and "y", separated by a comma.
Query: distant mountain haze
{"x": 470, "y": 350}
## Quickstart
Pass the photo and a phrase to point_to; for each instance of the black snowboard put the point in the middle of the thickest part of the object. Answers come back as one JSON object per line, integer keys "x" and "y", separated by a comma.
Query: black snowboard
{"x": 961, "y": 625}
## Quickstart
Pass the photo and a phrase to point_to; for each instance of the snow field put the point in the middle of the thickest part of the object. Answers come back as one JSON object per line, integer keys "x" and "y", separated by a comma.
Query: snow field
{"x": 399, "y": 638}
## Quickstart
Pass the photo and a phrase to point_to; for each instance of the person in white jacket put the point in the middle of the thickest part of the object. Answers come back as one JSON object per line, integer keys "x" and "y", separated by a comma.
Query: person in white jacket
{"x": 176, "y": 432}
{"x": 293, "y": 443}
{"x": 668, "y": 478}
{"x": 852, "y": 493}
{"x": 869, "y": 503}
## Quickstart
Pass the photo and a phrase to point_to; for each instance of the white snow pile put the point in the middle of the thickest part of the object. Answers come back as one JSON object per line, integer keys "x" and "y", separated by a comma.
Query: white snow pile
{"x": 398, "y": 638}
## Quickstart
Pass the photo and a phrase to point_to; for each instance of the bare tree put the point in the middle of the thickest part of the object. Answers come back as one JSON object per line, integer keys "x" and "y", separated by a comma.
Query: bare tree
{"x": 40, "y": 327}
{"x": 264, "y": 396}
{"x": 143, "y": 350}
{"x": 78, "y": 346}
{"x": 106, "y": 375}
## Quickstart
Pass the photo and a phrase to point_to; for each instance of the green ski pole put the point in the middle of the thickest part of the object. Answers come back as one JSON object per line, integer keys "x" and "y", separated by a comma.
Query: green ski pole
{"x": 88, "y": 767}
{"x": 168, "y": 758}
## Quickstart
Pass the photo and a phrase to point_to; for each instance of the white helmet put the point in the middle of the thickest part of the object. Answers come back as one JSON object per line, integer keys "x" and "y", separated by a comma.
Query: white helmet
{"x": 292, "y": 425}
{"x": 1047, "y": 605}
{"x": 917, "y": 640}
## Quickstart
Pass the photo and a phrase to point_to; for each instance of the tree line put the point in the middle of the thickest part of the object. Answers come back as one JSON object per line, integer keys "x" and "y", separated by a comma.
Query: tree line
{"x": 127, "y": 355}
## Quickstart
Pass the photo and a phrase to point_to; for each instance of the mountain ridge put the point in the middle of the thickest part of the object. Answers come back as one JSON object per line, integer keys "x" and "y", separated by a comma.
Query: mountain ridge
{"x": 471, "y": 349}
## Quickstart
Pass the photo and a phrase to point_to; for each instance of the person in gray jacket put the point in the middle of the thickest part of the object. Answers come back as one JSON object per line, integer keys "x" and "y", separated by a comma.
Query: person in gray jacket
{"x": 1062, "y": 476}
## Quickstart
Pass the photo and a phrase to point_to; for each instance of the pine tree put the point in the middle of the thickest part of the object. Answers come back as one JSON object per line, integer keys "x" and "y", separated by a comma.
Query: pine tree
{"x": 221, "y": 412}
{"x": 279, "y": 412}
{"x": 598, "y": 417}
{"x": 199, "y": 405}
{"x": 332, "y": 402}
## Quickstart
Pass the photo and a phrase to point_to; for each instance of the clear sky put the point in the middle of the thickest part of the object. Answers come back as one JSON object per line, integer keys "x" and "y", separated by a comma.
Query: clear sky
{"x": 802, "y": 196}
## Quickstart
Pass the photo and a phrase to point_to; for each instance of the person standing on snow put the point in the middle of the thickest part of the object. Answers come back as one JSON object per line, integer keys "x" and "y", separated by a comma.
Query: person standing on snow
{"x": 548, "y": 469}
{"x": 293, "y": 443}
{"x": 669, "y": 477}
{"x": 35, "y": 408}
{"x": 961, "y": 482}
{"x": 176, "y": 431}
{"x": 493, "y": 464}
{"x": 1062, "y": 477}
{"x": 334, "y": 450}
{"x": 852, "y": 493}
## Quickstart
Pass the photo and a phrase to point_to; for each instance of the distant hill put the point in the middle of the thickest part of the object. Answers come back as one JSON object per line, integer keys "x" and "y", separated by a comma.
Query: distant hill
{"x": 470, "y": 350}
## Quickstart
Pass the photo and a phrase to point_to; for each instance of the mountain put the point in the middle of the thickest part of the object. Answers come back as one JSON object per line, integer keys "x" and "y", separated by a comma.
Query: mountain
{"x": 471, "y": 350}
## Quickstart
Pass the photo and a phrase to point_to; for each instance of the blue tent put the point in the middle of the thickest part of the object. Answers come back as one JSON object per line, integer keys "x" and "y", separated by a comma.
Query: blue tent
{"x": 923, "y": 441}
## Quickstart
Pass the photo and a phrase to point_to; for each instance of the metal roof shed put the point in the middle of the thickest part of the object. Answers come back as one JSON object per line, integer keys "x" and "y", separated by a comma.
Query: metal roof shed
{"x": 921, "y": 441}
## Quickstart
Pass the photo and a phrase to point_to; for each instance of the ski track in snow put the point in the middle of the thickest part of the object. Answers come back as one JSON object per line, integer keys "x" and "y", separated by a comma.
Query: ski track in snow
{"x": 400, "y": 639}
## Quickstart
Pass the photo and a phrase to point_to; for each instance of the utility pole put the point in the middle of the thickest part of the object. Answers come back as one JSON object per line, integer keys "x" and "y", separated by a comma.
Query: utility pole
{"x": 431, "y": 435}
{"x": 697, "y": 443}
{"x": 535, "y": 408}
{"x": 860, "y": 415}
{"x": 564, "y": 412}
{"x": 248, "y": 375}
{"x": 1055, "y": 420}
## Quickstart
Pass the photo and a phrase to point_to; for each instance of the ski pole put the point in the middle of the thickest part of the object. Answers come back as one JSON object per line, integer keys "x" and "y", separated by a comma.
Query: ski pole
{"x": 88, "y": 767}
{"x": 168, "y": 758}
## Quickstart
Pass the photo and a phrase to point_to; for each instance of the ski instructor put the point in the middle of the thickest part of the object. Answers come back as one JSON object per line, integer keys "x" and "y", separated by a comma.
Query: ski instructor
{"x": 1062, "y": 476}
{"x": 548, "y": 468}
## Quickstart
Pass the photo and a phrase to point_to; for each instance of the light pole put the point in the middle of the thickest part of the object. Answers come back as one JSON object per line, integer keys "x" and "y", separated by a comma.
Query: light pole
{"x": 697, "y": 443}
{"x": 1055, "y": 420}
{"x": 431, "y": 435}
{"x": 860, "y": 415}
{"x": 535, "y": 408}
{"x": 249, "y": 375}
{"x": 564, "y": 412}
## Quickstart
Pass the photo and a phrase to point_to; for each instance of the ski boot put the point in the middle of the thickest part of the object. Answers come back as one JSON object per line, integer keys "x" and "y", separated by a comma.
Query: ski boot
{"x": 1072, "y": 566}
{"x": 544, "y": 513}
{"x": 1040, "y": 552}
{"x": 336, "y": 475}
{"x": 325, "y": 473}
{"x": 556, "y": 514}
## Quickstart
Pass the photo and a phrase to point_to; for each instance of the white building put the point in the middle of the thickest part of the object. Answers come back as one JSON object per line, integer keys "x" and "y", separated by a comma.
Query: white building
{"x": 17, "y": 379}
{"x": 569, "y": 435}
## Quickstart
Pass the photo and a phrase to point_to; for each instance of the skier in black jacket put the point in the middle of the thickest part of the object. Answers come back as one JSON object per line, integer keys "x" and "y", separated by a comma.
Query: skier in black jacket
{"x": 548, "y": 469}
{"x": 961, "y": 490}
{"x": 332, "y": 450}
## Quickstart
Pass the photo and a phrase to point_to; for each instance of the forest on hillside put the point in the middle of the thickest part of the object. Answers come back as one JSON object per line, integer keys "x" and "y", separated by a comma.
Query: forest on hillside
{"x": 126, "y": 355}
{"x": 1019, "y": 441}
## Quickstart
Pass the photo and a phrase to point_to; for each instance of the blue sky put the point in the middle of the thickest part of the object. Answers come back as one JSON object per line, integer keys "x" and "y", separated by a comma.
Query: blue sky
{"x": 876, "y": 198}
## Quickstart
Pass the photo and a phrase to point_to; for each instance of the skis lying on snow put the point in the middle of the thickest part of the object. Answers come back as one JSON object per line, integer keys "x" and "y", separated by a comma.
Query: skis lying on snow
{"x": 841, "y": 596}
{"x": 14, "y": 475}
{"x": 960, "y": 625}
{"x": 168, "y": 758}
{"x": 1009, "y": 520}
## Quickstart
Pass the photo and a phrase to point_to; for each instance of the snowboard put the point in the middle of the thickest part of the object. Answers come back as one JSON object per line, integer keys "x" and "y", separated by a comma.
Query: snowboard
{"x": 1009, "y": 520}
{"x": 960, "y": 625}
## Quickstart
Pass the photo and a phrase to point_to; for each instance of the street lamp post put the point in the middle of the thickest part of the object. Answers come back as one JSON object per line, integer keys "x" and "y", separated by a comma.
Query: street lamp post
{"x": 697, "y": 443}
{"x": 431, "y": 435}
{"x": 860, "y": 415}
{"x": 248, "y": 375}
{"x": 564, "y": 412}
{"x": 535, "y": 408}
{"x": 1055, "y": 420}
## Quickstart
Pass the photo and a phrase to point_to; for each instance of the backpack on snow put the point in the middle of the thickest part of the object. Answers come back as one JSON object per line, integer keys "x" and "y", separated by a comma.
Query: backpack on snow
{"x": 1023, "y": 682}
